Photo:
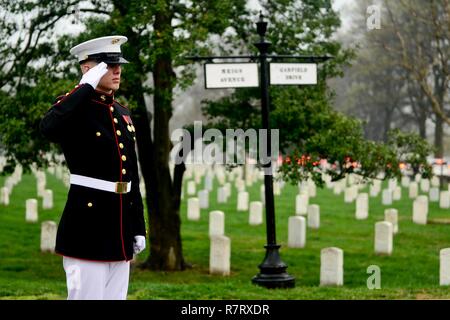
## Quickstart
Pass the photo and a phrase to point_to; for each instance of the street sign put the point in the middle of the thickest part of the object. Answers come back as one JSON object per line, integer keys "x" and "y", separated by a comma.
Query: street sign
{"x": 293, "y": 73}
{"x": 231, "y": 75}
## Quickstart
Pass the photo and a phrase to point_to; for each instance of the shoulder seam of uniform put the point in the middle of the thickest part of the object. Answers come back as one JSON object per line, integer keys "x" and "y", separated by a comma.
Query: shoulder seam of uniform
{"x": 62, "y": 97}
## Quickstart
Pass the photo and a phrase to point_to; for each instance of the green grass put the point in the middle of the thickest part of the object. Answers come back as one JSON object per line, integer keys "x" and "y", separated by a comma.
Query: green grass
{"x": 412, "y": 272}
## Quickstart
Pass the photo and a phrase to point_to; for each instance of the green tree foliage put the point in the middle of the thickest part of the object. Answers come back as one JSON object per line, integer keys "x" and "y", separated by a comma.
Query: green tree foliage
{"x": 311, "y": 132}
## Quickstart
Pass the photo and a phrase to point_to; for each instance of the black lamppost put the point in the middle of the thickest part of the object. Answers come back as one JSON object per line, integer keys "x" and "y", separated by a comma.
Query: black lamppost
{"x": 272, "y": 270}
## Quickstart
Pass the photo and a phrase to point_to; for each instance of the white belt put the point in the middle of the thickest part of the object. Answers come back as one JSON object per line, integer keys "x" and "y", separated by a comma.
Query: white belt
{"x": 116, "y": 187}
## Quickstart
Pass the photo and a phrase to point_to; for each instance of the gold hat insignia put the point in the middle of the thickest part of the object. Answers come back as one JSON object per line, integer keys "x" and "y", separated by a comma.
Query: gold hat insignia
{"x": 114, "y": 41}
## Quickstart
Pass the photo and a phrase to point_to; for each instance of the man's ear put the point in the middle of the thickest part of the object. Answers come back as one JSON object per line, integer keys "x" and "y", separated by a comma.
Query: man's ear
{"x": 85, "y": 68}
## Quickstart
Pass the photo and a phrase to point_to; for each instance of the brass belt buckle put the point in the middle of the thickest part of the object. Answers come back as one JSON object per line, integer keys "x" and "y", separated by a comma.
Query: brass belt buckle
{"x": 121, "y": 187}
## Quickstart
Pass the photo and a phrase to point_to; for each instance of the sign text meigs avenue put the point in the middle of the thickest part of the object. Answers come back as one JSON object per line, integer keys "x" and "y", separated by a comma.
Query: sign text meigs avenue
{"x": 298, "y": 70}
{"x": 231, "y": 75}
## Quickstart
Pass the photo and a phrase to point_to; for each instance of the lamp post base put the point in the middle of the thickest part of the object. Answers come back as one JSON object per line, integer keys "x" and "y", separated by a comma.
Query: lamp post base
{"x": 273, "y": 271}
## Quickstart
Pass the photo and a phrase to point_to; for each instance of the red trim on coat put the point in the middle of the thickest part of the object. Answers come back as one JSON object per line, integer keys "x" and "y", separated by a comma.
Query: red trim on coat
{"x": 120, "y": 180}
{"x": 120, "y": 104}
{"x": 105, "y": 104}
{"x": 78, "y": 86}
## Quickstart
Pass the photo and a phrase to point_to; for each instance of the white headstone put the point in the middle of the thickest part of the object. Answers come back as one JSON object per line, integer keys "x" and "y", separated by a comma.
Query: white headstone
{"x": 262, "y": 194}
{"x": 362, "y": 206}
{"x": 413, "y": 190}
{"x": 48, "y": 236}
{"x": 387, "y": 197}
{"x": 444, "y": 267}
{"x": 331, "y": 267}
{"x": 392, "y": 184}
{"x": 4, "y": 196}
{"x": 276, "y": 188}
{"x": 314, "y": 216}
{"x": 256, "y": 213}
{"x": 397, "y": 193}
{"x": 312, "y": 189}
{"x": 31, "y": 214}
{"x": 219, "y": 256}
{"x": 420, "y": 210}
{"x": 384, "y": 232}
{"x": 301, "y": 204}
{"x": 391, "y": 215}
{"x": 239, "y": 184}
{"x": 242, "y": 203}
{"x": 435, "y": 181}
{"x": 216, "y": 223}
{"x": 40, "y": 187}
{"x": 47, "y": 201}
{"x": 191, "y": 188}
{"x": 425, "y": 185}
{"x": 203, "y": 197}
{"x": 296, "y": 232}
{"x": 405, "y": 181}
{"x": 349, "y": 194}
{"x": 337, "y": 188}
{"x": 434, "y": 194}
{"x": 444, "y": 200}
{"x": 209, "y": 181}
{"x": 227, "y": 187}
{"x": 59, "y": 172}
{"x": 193, "y": 209}
{"x": 222, "y": 195}
{"x": 375, "y": 188}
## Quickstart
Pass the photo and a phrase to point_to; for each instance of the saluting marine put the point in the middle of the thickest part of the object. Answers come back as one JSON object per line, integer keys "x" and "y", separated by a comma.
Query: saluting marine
{"x": 102, "y": 225}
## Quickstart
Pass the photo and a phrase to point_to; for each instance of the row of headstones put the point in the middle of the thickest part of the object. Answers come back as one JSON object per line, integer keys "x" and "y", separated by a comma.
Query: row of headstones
{"x": 393, "y": 193}
{"x": 10, "y": 183}
{"x": 420, "y": 207}
{"x": 255, "y": 211}
{"x": 31, "y": 205}
{"x": 332, "y": 266}
{"x": 224, "y": 192}
{"x": 331, "y": 259}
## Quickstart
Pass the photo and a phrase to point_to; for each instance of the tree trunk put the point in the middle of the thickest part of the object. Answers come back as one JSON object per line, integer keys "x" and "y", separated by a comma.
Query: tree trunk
{"x": 164, "y": 212}
{"x": 439, "y": 91}
{"x": 162, "y": 195}
{"x": 422, "y": 123}
{"x": 438, "y": 138}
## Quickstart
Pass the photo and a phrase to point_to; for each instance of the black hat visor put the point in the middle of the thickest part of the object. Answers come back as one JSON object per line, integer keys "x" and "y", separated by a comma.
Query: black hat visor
{"x": 107, "y": 57}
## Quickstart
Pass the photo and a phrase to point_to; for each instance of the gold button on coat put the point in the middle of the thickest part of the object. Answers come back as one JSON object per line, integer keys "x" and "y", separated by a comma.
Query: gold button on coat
{"x": 119, "y": 133}
{"x": 98, "y": 134}
{"x": 115, "y": 120}
{"x": 129, "y": 128}
{"x": 111, "y": 108}
{"x": 124, "y": 158}
{"x": 89, "y": 204}
{"x": 124, "y": 171}
{"x": 121, "y": 145}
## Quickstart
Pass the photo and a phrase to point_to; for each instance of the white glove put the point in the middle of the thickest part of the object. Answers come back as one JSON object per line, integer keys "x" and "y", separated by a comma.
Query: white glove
{"x": 94, "y": 74}
{"x": 139, "y": 244}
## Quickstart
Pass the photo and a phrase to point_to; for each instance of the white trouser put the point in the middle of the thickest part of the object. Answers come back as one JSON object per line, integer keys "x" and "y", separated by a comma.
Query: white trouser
{"x": 91, "y": 280}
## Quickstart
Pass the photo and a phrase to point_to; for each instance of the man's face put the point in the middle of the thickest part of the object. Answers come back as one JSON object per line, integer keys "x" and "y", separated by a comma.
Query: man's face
{"x": 110, "y": 81}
